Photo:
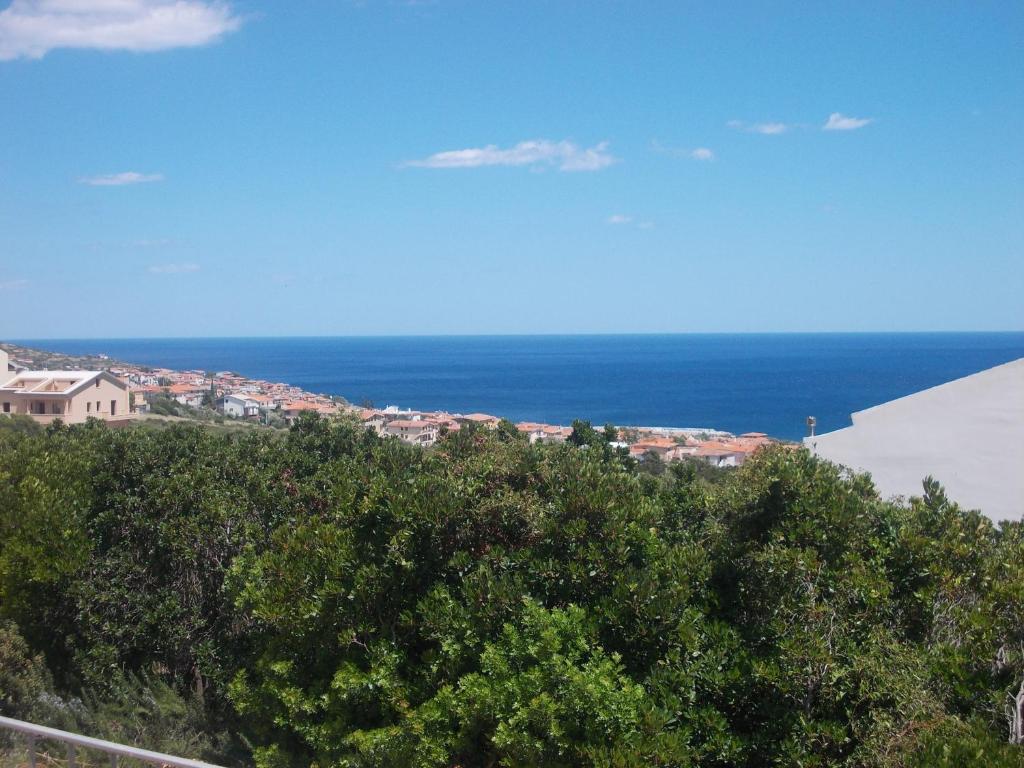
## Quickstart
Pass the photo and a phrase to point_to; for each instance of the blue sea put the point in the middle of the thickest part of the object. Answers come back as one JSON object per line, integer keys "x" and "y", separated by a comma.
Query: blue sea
{"x": 735, "y": 382}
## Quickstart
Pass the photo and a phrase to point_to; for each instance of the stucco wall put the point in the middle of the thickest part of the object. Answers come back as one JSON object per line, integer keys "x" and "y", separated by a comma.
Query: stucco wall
{"x": 5, "y": 375}
{"x": 967, "y": 434}
{"x": 104, "y": 393}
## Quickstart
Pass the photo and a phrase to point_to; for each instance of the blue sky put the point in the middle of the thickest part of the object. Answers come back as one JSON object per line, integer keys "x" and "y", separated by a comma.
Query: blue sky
{"x": 336, "y": 168}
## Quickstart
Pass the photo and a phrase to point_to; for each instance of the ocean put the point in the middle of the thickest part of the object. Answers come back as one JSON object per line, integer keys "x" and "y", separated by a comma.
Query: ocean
{"x": 735, "y": 382}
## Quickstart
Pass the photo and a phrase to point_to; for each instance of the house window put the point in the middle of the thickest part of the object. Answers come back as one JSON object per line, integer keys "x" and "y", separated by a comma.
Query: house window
{"x": 7, "y": 407}
{"x": 113, "y": 407}
{"x": 88, "y": 407}
{"x": 97, "y": 406}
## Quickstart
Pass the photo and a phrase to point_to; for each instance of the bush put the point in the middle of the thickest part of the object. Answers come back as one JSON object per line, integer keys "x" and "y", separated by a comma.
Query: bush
{"x": 338, "y": 599}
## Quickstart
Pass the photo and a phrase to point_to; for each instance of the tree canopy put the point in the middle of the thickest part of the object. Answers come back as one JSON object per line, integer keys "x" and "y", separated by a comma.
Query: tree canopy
{"x": 328, "y": 597}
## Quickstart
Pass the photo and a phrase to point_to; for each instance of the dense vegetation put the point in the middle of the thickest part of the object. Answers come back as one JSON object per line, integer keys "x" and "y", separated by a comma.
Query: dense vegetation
{"x": 322, "y": 596}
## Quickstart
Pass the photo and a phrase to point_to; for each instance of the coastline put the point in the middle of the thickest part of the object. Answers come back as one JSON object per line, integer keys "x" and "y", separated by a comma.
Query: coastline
{"x": 733, "y": 383}
{"x": 232, "y": 395}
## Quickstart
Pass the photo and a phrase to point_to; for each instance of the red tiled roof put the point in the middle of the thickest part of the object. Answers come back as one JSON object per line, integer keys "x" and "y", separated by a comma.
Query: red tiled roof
{"x": 658, "y": 442}
{"x": 299, "y": 405}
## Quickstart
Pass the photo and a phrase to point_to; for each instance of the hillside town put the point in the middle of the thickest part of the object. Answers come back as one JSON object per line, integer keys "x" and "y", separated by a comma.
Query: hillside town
{"x": 119, "y": 392}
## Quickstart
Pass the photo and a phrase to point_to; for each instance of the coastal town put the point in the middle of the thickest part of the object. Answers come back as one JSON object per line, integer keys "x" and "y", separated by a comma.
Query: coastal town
{"x": 119, "y": 393}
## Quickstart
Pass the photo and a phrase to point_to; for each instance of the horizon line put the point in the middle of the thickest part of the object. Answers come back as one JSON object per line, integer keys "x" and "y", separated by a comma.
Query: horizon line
{"x": 583, "y": 334}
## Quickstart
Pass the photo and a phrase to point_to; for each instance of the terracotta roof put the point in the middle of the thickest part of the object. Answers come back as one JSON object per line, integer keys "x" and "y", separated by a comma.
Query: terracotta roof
{"x": 185, "y": 389}
{"x": 711, "y": 450}
{"x": 645, "y": 447}
{"x": 480, "y": 417}
{"x": 657, "y": 442}
{"x": 299, "y": 405}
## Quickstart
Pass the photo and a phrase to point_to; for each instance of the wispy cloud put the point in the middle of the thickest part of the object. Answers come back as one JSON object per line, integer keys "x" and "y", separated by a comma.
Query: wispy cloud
{"x": 32, "y": 28}
{"x": 622, "y": 219}
{"x": 13, "y": 285}
{"x": 159, "y": 242}
{"x": 694, "y": 153}
{"x": 767, "y": 129}
{"x": 174, "y": 269}
{"x": 120, "y": 179}
{"x": 840, "y": 122}
{"x": 564, "y": 155}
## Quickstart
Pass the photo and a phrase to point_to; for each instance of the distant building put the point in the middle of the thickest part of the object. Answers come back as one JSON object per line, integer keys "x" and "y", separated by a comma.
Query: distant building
{"x": 68, "y": 396}
{"x": 719, "y": 454}
{"x": 240, "y": 406}
{"x": 413, "y": 432}
{"x": 372, "y": 419}
{"x": 533, "y": 432}
{"x": 662, "y": 447}
{"x": 554, "y": 434}
{"x": 291, "y": 411}
{"x": 482, "y": 419}
{"x": 192, "y": 395}
{"x": 968, "y": 434}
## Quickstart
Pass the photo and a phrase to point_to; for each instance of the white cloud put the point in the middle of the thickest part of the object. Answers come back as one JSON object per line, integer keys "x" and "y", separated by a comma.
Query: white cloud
{"x": 121, "y": 179}
{"x": 565, "y": 155}
{"x": 840, "y": 122}
{"x": 768, "y": 129}
{"x": 174, "y": 269}
{"x": 697, "y": 153}
{"x": 13, "y": 285}
{"x": 32, "y": 28}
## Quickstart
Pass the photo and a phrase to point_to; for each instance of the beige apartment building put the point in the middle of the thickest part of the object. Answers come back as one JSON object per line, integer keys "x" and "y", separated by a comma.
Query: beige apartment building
{"x": 68, "y": 396}
{"x": 412, "y": 431}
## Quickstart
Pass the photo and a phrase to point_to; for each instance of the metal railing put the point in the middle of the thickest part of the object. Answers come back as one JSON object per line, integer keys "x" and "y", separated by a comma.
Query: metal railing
{"x": 73, "y": 741}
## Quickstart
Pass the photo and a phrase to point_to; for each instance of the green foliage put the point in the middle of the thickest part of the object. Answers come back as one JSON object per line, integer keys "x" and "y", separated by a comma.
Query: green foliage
{"x": 585, "y": 434}
{"x": 338, "y": 599}
{"x": 16, "y": 424}
{"x": 951, "y": 743}
{"x": 507, "y": 431}
{"x": 24, "y": 679}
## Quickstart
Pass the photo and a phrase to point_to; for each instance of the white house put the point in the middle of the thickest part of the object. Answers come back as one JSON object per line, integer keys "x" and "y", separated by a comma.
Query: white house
{"x": 968, "y": 434}
{"x": 239, "y": 406}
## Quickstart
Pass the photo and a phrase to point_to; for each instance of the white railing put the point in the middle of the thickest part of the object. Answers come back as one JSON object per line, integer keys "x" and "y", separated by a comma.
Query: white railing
{"x": 73, "y": 740}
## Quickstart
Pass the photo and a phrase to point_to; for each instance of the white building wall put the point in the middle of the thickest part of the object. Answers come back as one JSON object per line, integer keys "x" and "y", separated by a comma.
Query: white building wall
{"x": 968, "y": 434}
{"x": 5, "y": 375}
{"x": 233, "y": 407}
